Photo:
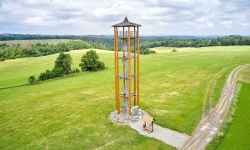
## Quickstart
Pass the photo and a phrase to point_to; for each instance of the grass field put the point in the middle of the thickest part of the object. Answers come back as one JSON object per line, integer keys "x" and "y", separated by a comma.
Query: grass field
{"x": 72, "y": 112}
{"x": 237, "y": 133}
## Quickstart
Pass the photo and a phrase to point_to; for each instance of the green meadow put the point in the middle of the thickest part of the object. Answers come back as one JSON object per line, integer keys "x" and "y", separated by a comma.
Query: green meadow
{"x": 72, "y": 112}
{"x": 236, "y": 132}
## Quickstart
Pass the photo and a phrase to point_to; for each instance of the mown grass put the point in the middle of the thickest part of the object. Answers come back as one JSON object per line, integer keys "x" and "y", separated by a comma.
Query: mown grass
{"x": 66, "y": 113}
{"x": 235, "y": 132}
{"x": 72, "y": 112}
{"x": 238, "y": 134}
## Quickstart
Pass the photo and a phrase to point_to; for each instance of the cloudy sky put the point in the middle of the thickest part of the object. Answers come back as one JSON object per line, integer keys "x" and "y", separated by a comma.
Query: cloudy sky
{"x": 158, "y": 17}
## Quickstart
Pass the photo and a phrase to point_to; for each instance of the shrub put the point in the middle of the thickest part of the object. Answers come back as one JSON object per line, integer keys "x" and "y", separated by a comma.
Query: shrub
{"x": 32, "y": 80}
{"x": 101, "y": 65}
{"x": 146, "y": 51}
{"x": 50, "y": 74}
{"x": 90, "y": 62}
{"x": 58, "y": 71}
{"x": 43, "y": 76}
{"x": 174, "y": 50}
{"x": 75, "y": 70}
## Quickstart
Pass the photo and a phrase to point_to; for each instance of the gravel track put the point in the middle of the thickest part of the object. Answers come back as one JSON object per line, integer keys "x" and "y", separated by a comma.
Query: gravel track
{"x": 211, "y": 123}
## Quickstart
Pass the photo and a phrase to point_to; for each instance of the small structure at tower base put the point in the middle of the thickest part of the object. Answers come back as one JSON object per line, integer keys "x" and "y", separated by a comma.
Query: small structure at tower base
{"x": 123, "y": 117}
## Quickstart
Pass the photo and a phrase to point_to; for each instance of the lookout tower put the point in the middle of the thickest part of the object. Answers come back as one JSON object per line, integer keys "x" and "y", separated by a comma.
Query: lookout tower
{"x": 127, "y": 67}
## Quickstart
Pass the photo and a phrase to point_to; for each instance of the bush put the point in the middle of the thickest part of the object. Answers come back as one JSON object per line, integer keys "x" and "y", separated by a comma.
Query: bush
{"x": 75, "y": 70}
{"x": 50, "y": 74}
{"x": 90, "y": 62}
{"x": 101, "y": 65}
{"x": 43, "y": 76}
{"x": 174, "y": 50}
{"x": 32, "y": 80}
{"x": 58, "y": 71}
{"x": 146, "y": 51}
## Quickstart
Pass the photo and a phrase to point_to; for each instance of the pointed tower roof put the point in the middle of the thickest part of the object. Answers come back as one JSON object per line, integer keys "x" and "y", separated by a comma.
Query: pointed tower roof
{"x": 126, "y": 23}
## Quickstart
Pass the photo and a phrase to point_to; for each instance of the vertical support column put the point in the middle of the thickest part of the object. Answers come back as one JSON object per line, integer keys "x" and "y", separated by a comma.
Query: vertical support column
{"x": 117, "y": 92}
{"x": 134, "y": 73}
{"x": 138, "y": 69}
{"x": 123, "y": 61}
{"x": 129, "y": 71}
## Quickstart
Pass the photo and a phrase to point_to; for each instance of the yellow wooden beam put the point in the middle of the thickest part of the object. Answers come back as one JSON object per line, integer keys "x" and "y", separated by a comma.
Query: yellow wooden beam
{"x": 138, "y": 68}
{"x": 117, "y": 91}
{"x": 135, "y": 72}
{"x": 129, "y": 71}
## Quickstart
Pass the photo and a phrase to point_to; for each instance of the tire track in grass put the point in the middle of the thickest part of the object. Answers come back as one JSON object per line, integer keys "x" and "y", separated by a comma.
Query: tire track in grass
{"x": 211, "y": 123}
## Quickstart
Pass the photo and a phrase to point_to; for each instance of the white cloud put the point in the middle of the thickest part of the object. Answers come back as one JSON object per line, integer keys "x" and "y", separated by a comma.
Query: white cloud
{"x": 96, "y": 16}
{"x": 35, "y": 21}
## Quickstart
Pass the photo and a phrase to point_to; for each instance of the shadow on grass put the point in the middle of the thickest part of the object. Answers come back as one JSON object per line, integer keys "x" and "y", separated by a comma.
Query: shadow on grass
{"x": 41, "y": 82}
{"x": 14, "y": 86}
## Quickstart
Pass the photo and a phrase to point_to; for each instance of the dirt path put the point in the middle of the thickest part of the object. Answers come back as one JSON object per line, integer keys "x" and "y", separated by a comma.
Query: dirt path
{"x": 211, "y": 123}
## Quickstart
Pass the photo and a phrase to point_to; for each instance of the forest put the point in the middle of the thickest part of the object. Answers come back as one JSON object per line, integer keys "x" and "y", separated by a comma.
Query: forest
{"x": 12, "y": 51}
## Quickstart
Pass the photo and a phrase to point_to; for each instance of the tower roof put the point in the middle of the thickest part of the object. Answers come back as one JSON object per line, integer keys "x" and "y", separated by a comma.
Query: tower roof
{"x": 126, "y": 23}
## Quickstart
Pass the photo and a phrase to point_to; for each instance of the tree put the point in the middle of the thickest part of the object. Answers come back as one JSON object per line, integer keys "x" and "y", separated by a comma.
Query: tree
{"x": 63, "y": 63}
{"x": 62, "y": 47}
{"x": 90, "y": 62}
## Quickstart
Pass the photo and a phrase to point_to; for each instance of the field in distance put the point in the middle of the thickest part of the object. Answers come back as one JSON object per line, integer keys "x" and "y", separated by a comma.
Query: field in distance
{"x": 30, "y": 42}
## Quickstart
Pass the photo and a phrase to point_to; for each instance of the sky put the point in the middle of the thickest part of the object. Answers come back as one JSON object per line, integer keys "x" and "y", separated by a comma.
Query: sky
{"x": 95, "y": 17}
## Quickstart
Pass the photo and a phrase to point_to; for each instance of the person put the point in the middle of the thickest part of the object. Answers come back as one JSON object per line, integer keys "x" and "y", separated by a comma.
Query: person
{"x": 148, "y": 123}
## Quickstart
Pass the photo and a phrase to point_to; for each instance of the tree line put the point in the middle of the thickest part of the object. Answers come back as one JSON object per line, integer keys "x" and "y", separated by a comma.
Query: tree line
{"x": 106, "y": 42}
{"x": 176, "y": 41}
{"x": 197, "y": 42}
{"x": 42, "y": 49}
{"x": 8, "y": 37}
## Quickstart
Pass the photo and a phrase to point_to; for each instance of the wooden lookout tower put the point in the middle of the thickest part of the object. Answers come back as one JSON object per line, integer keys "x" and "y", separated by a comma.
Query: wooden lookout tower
{"x": 127, "y": 65}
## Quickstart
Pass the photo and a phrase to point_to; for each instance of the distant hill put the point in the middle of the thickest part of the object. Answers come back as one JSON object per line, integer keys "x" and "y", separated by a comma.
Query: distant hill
{"x": 106, "y": 41}
{"x": 7, "y": 37}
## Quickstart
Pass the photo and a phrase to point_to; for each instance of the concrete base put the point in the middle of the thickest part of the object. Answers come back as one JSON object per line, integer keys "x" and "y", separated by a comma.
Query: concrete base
{"x": 135, "y": 121}
{"x": 124, "y": 118}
